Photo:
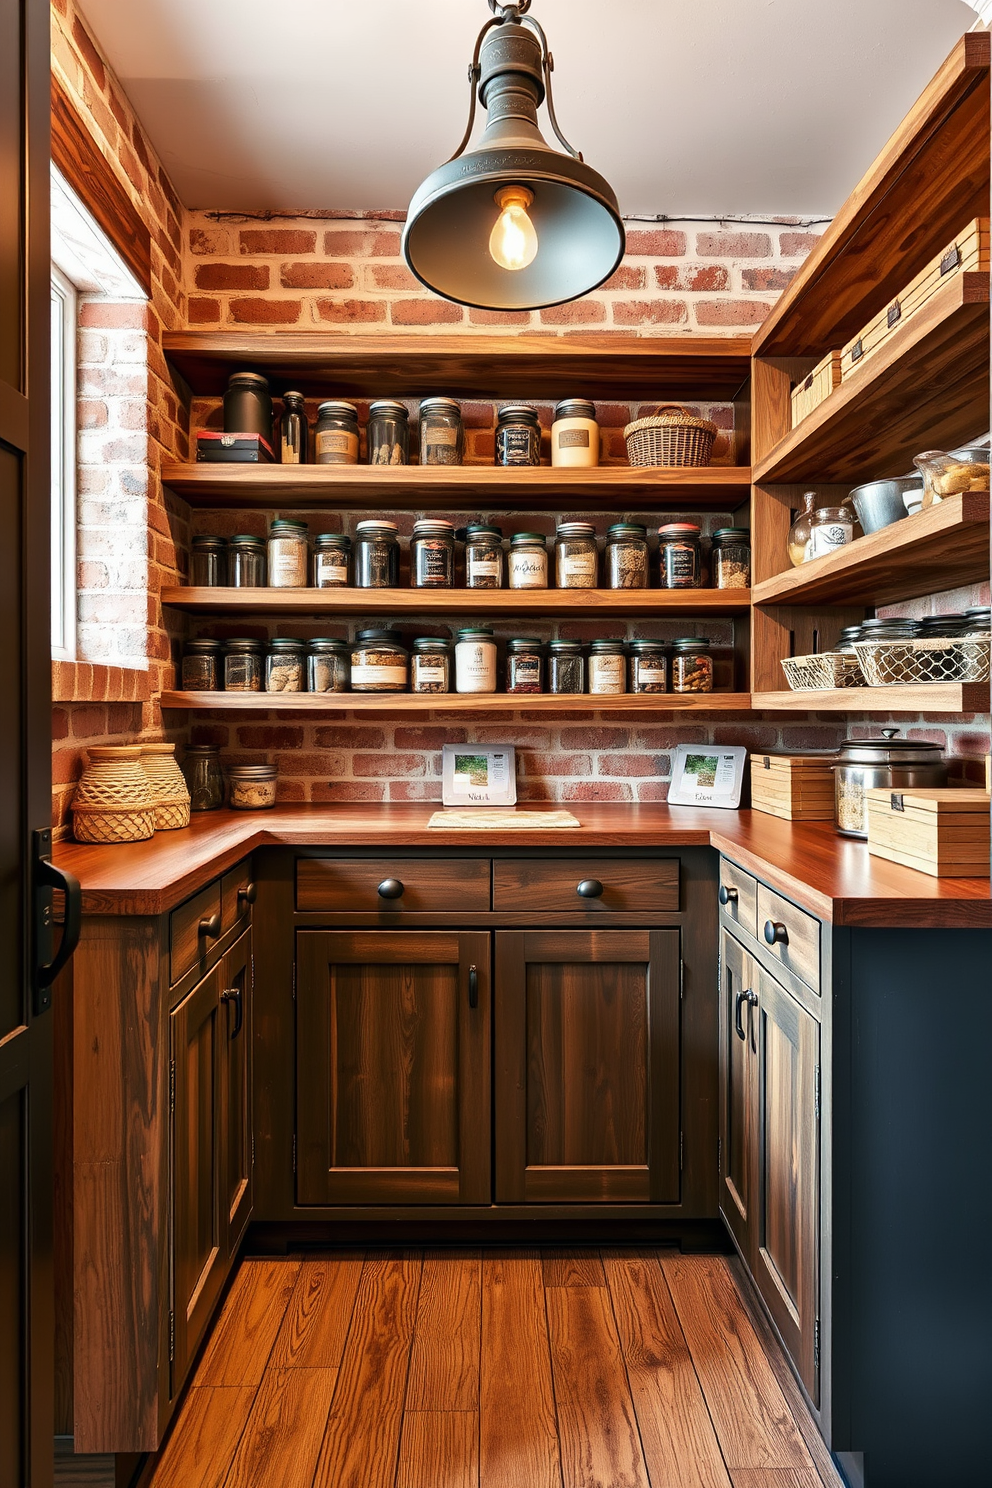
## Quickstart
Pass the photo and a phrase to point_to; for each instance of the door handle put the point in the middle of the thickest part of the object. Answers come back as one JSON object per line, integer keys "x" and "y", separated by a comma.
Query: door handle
{"x": 233, "y": 994}
{"x": 776, "y": 933}
{"x": 589, "y": 888}
{"x": 727, "y": 895}
{"x": 46, "y": 878}
{"x": 749, "y": 997}
{"x": 473, "y": 987}
{"x": 209, "y": 926}
{"x": 390, "y": 888}
{"x": 247, "y": 894}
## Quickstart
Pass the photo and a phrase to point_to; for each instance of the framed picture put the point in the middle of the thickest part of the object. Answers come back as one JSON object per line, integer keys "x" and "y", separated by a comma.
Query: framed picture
{"x": 707, "y": 775}
{"x": 479, "y": 775}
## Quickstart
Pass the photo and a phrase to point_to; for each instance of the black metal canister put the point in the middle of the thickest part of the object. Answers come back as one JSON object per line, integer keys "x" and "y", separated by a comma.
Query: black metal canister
{"x": 248, "y": 405}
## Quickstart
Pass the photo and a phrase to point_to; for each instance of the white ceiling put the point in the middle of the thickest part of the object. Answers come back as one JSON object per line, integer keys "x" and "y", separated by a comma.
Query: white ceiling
{"x": 686, "y": 106}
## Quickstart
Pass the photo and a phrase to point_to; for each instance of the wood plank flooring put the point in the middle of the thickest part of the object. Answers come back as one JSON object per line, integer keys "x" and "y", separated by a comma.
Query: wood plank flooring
{"x": 593, "y": 1368}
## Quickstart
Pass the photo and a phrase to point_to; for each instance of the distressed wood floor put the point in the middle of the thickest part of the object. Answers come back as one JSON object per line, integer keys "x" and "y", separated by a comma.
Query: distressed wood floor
{"x": 495, "y": 1369}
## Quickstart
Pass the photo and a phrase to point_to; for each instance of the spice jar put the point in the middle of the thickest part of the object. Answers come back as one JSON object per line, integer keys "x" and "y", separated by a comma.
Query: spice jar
{"x": 483, "y": 557}
{"x": 335, "y": 439}
{"x": 607, "y": 667}
{"x": 442, "y": 433}
{"x": 475, "y": 660}
{"x": 379, "y": 662}
{"x": 208, "y": 565}
{"x": 204, "y": 777}
{"x": 692, "y": 665}
{"x": 528, "y": 561}
{"x": 388, "y": 433}
{"x": 248, "y": 405}
{"x": 430, "y": 665}
{"x": 575, "y": 434}
{"x": 243, "y": 665}
{"x": 524, "y": 666}
{"x": 377, "y": 555}
{"x": 518, "y": 436}
{"x": 432, "y": 555}
{"x": 648, "y": 667}
{"x": 330, "y": 560}
{"x": 285, "y": 666}
{"x": 246, "y": 562}
{"x": 575, "y": 556}
{"x": 201, "y": 666}
{"x": 679, "y": 556}
{"x": 566, "y": 667}
{"x": 288, "y": 555}
{"x": 328, "y": 665}
{"x": 295, "y": 430}
{"x": 888, "y": 762}
{"x": 832, "y": 527}
{"x": 731, "y": 558}
{"x": 626, "y": 556}
{"x": 251, "y": 787}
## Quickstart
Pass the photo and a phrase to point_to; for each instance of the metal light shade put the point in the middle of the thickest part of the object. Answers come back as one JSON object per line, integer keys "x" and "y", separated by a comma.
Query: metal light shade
{"x": 574, "y": 210}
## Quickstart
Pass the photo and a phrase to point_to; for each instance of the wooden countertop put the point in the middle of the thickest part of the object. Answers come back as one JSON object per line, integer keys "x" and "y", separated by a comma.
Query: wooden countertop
{"x": 832, "y": 876}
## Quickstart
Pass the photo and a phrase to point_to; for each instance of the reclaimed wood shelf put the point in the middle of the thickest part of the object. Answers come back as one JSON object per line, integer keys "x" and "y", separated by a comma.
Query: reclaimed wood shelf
{"x": 941, "y": 548}
{"x": 926, "y": 387}
{"x": 419, "y": 487}
{"x": 451, "y": 702}
{"x": 922, "y": 697}
{"x": 929, "y": 180}
{"x": 609, "y": 366}
{"x": 496, "y": 603}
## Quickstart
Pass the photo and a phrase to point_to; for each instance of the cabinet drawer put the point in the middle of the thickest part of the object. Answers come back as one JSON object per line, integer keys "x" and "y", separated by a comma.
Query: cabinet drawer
{"x": 613, "y": 886}
{"x": 187, "y": 945}
{"x": 426, "y": 885}
{"x": 798, "y": 942}
{"x": 739, "y": 896}
{"x": 237, "y": 895}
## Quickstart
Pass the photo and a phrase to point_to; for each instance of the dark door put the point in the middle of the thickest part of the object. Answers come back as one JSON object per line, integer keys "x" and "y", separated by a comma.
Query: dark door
{"x": 587, "y": 1066}
{"x": 26, "y": 1308}
{"x": 236, "y": 1145}
{"x": 738, "y": 1091}
{"x": 393, "y": 1084}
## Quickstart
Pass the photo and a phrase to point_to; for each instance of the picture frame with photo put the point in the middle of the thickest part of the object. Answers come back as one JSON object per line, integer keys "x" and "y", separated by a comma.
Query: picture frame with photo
{"x": 479, "y": 775}
{"x": 708, "y": 775}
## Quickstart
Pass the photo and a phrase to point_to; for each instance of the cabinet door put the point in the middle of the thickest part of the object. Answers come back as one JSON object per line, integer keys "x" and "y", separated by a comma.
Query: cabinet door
{"x": 738, "y": 1092}
{"x": 393, "y": 1083}
{"x": 786, "y": 1238}
{"x": 236, "y": 1145}
{"x": 587, "y": 1066}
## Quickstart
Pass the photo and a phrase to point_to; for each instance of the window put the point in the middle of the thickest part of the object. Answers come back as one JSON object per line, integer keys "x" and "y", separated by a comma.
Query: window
{"x": 64, "y": 319}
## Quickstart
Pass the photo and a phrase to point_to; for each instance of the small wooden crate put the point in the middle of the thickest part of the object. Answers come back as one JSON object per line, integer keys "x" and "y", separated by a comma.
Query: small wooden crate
{"x": 969, "y": 253}
{"x": 796, "y": 787}
{"x": 941, "y": 832}
{"x": 819, "y": 384}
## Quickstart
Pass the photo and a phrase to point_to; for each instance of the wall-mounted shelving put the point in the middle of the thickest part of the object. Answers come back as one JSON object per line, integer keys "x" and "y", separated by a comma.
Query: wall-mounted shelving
{"x": 551, "y": 604}
{"x": 648, "y": 705}
{"x": 924, "y": 697}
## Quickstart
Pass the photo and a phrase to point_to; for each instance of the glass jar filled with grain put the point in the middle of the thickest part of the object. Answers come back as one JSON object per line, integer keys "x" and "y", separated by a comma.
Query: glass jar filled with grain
{"x": 648, "y": 667}
{"x": 246, "y": 561}
{"x": 289, "y": 554}
{"x": 208, "y": 563}
{"x": 528, "y": 561}
{"x": 607, "y": 667}
{"x": 430, "y": 665}
{"x": 483, "y": 556}
{"x": 442, "y": 433}
{"x": 285, "y": 666}
{"x": 331, "y": 551}
{"x": 201, "y": 665}
{"x": 626, "y": 556}
{"x": 335, "y": 439}
{"x": 566, "y": 667}
{"x": 379, "y": 662}
{"x": 731, "y": 558}
{"x": 388, "y": 433}
{"x": 251, "y": 787}
{"x": 432, "y": 555}
{"x": 243, "y": 665}
{"x": 679, "y": 556}
{"x": 692, "y": 665}
{"x": 377, "y": 555}
{"x": 576, "y": 558}
{"x": 524, "y": 665}
{"x": 328, "y": 665}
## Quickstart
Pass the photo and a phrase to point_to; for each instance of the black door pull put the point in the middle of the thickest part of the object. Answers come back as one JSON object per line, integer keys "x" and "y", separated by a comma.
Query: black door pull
{"x": 390, "y": 888}
{"x": 473, "y": 987}
{"x": 749, "y": 997}
{"x": 46, "y": 878}
{"x": 233, "y": 994}
{"x": 589, "y": 888}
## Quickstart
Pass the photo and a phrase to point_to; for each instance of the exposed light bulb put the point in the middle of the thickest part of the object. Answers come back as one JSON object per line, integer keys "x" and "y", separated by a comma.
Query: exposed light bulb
{"x": 513, "y": 241}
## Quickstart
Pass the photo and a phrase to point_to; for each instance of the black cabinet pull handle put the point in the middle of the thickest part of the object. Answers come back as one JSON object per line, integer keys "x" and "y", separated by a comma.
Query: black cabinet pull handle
{"x": 749, "y": 997}
{"x": 727, "y": 895}
{"x": 233, "y": 994}
{"x": 473, "y": 987}
{"x": 247, "y": 895}
{"x": 390, "y": 888}
{"x": 47, "y": 877}
{"x": 775, "y": 931}
{"x": 209, "y": 926}
{"x": 589, "y": 888}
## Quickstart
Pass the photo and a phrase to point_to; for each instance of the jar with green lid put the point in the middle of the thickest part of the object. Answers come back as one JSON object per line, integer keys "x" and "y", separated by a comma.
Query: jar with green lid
{"x": 335, "y": 440}
{"x": 607, "y": 667}
{"x": 626, "y": 556}
{"x": 528, "y": 561}
{"x": 730, "y": 560}
{"x": 377, "y": 555}
{"x": 388, "y": 433}
{"x": 483, "y": 556}
{"x": 648, "y": 667}
{"x": 285, "y": 666}
{"x": 576, "y": 556}
{"x": 208, "y": 562}
{"x": 679, "y": 556}
{"x": 518, "y": 435}
{"x": 289, "y": 554}
{"x": 328, "y": 665}
{"x": 475, "y": 660}
{"x": 442, "y": 433}
{"x": 379, "y": 662}
{"x": 201, "y": 665}
{"x": 243, "y": 665}
{"x": 566, "y": 667}
{"x": 246, "y": 562}
{"x": 430, "y": 665}
{"x": 575, "y": 434}
{"x": 331, "y": 551}
{"x": 524, "y": 665}
{"x": 692, "y": 665}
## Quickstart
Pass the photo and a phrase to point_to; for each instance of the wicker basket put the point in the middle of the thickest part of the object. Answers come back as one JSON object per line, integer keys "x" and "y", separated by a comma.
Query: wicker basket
{"x": 820, "y": 673}
{"x": 891, "y": 663}
{"x": 672, "y": 437}
{"x": 112, "y": 823}
{"x": 168, "y": 786}
{"x": 113, "y": 801}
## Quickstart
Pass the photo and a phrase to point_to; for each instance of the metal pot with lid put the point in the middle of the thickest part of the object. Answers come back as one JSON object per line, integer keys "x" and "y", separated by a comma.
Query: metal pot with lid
{"x": 887, "y": 762}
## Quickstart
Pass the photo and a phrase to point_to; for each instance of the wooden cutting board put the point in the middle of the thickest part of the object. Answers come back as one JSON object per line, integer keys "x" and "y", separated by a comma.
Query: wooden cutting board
{"x": 501, "y": 819}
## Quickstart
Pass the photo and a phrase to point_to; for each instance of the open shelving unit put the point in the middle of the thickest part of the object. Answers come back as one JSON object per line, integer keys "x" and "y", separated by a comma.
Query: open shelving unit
{"x": 551, "y": 604}
{"x": 572, "y": 704}
{"x": 927, "y": 697}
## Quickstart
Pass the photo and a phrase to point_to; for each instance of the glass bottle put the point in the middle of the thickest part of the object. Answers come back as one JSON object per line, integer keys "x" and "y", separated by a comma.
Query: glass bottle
{"x": 207, "y": 555}
{"x": 730, "y": 559}
{"x": 524, "y": 665}
{"x": 246, "y": 562}
{"x": 626, "y": 556}
{"x": 377, "y": 555}
{"x": 679, "y": 556}
{"x": 692, "y": 665}
{"x": 388, "y": 433}
{"x": 442, "y": 433}
{"x": 295, "y": 430}
{"x": 528, "y": 561}
{"x": 432, "y": 555}
{"x": 607, "y": 667}
{"x": 430, "y": 665}
{"x": 243, "y": 665}
{"x": 285, "y": 667}
{"x": 289, "y": 555}
{"x": 483, "y": 557}
{"x": 336, "y": 433}
{"x": 518, "y": 435}
{"x": 800, "y": 530}
{"x": 576, "y": 556}
{"x": 330, "y": 560}
{"x": 201, "y": 665}
{"x": 475, "y": 660}
{"x": 566, "y": 667}
{"x": 204, "y": 777}
{"x": 328, "y": 665}
{"x": 575, "y": 434}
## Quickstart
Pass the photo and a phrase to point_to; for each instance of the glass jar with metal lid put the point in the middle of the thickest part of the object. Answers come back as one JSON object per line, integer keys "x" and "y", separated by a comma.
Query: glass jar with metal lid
{"x": 692, "y": 665}
{"x": 575, "y": 434}
{"x": 475, "y": 660}
{"x": 483, "y": 556}
{"x": 246, "y": 561}
{"x": 442, "y": 433}
{"x": 518, "y": 435}
{"x": 430, "y": 665}
{"x": 886, "y": 762}
{"x": 335, "y": 440}
{"x": 328, "y": 665}
{"x": 289, "y": 554}
{"x": 388, "y": 433}
{"x": 203, "y": 776}
{"x": 377, "y": 555}
{"x": 576, "y": 557}
{"x": 243, "y": 665}
{"x": 648, "y": 667}
{"x": 566, "y": 667}
{"x": 607, "y": 667}
{"x": 251, "y": 787}
{"x": 432, "y": 555}
{"x": 201, "y": 665}
{"x": 679, "y": 556}
{"x": 295, "y": 442}
{"x": 285, "y": 665}
{"x": 730, "y": 559}
{"x": 832, "y": 527}
{"x": 528, "y": 561}
{"x": 248, "y": 405}
{"x": 626, "y": 556}
{"x": 331, "y": 551}
{"x": 379, "y": 662}
{"x": 208, "y": 562}
{"x": 524, "y": 665}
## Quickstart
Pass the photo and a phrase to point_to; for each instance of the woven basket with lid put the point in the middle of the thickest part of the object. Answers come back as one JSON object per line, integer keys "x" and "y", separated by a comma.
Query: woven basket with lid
{"x": 113, "y": 800}
{"x": 168, "y": 786}
{"x": 673, "y": 436}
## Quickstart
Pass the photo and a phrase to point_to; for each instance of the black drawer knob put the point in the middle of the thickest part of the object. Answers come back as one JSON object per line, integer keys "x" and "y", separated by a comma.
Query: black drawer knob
{"x": 727, "y": 895}
{"x": 590, "y": 888}
{"x": 210, "y": 926}
{"x": 390, "y": 888}
{"x": 247, "y": 895}
{"x": 775, "y": 932}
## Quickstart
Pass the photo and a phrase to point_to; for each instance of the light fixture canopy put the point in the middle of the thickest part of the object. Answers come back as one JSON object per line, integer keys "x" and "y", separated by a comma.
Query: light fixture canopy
{"x": 470, "y": 230}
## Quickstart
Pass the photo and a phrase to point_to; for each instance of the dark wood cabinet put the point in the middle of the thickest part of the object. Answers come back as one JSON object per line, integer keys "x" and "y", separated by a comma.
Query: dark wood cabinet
{"x": 738, "y": 1099}
{"x": 237, "y": 1151}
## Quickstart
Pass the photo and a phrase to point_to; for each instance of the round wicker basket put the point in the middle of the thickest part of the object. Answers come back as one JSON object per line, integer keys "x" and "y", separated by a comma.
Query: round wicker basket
{"x": 168, "y": 786}
{"x": 113, "y": 800}
{"x": 673, "y": 436}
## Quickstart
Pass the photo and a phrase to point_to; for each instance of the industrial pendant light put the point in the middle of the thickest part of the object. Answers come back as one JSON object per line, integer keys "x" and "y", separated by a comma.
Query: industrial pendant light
{"x": 513, "y": 224}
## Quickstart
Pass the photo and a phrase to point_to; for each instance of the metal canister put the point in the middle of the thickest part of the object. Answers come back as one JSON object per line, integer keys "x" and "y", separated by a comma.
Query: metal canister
{"x": 888, "y": 762}
{"x": 248, "y": 405}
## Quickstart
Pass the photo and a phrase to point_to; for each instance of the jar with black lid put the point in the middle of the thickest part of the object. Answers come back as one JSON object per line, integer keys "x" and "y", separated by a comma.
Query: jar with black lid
{"x": 379, "y": 662}
{"x": 692, "y": 665}
{"x": 442, "y": 433}
{"x": 648, "y": 667}
{"x": 566, "y": 667}
{"x": 518, "y": 435}
{"x": 248, "y": 405}
{"x": 285, "y": 665}
{"x": 377, "y": 555}
{"x": 432, "y": 555}
{"x": 289, "y": 554}
{"x": 246, "y": 562}
{"x": 203, "y": 776}
{"x": 328, "y": 665}
{"x": 295, "y": 430}
{"x": 330, "y": 560}
{"x": 679, "y": 556}
{"x": 524, "y": 665}
{"x": 626, "y": 556}
{"x": 730, "y": 559}
{"x": 243, "y": 665}
{"x": 430, "y": 665}
{"x": 475, "y": 659}
{"x": 336, "y": 434}
{"x": 576, "y": 556}
{"x": 607, "y": 667}
{"x": 209, "y": 567}
{"x": 528, "y": 561}
{"x": 201, "y": 665}
{"x": 575, "y": 434}
{"x": 388, "y": 433}
{"x": 483, "y": 556}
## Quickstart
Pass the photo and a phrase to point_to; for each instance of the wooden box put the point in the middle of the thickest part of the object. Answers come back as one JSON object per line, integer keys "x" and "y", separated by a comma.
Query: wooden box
{"x": 968, "y": 253}
{"x": 796, "y": 787}
{"x": 941, "y": 832}
{"x": 819, "y": 384}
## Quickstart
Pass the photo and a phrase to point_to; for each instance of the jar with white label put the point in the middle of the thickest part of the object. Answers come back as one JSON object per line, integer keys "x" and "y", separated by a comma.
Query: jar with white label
{"x": 377, "y": 555}
{"x": 335, "y": 439}
{"x": 607, "y": 667}
{"x": 576, "y": 559}
{"x": 518, "y": 435}
{"x": 528, "y": 561}
{"x": 289, "y": 555}
{"x": 575, "y": 434}
{"x": 442, "y": 433}
{"x": 430, "y": 665}
{"x": 483, "y": 556}
{"x": 330, "y": 560}
{"x": 524, "y": 665}
{"x": 475, "y": 660}
{"x": 379, "y": 662}
{"x": 432, "y": 554}
{"x": 648, "y": 667}
{"x": 832, "y": 527}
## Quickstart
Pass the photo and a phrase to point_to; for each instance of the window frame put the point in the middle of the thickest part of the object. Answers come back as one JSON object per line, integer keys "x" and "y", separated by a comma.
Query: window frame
{"x": 64, "y": 426}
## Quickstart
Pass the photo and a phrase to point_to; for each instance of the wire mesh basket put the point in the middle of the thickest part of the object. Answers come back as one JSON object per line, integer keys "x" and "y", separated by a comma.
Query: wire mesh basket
{"x": 936, "y": 659}
{"x": 820, "y": 673}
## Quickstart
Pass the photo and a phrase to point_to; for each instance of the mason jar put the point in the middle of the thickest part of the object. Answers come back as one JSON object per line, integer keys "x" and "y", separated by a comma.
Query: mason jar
{"x": 528, "y": 561}
{"x": 730, "y": 559}
{"x": 524, "y": 665}
{"x": 648, "y": 667}
{"x": 442, "y": 433}
{"x": 377, "y": 555}
{"x": 518, "y": 435}
{"x": 626, "y": 556}
{"x": 246, "y": 562}
{"x": 289, "y": 554}
{"x": 576, "y": 556}
{"x": 243, "y": 665}
{"x": 285, "y": 666}
{"x": 475, "y": 660}
{"x": 207, "y": 562}
{"x": 330, "y": 560}
{"x": 251, "y": 787}
{"x": 388, "y": 433}
{"x": 680, "y": 556}
{"x": 379, "y": 662}
{"x": 430, "y": 665}
{"x": 483, "y": 557}
{"x": 575, "y": 434}
{"x": 692, "y": 665}
{"x": 335, "y": 440}
{"x": 566, "y": 667}
{"x": 328, "y": 665}
{"x": 201, "y": 666}
{"x": 432, "y": 555}
{"x": 607, "y": 667}
{"x": 203, "y": 776}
